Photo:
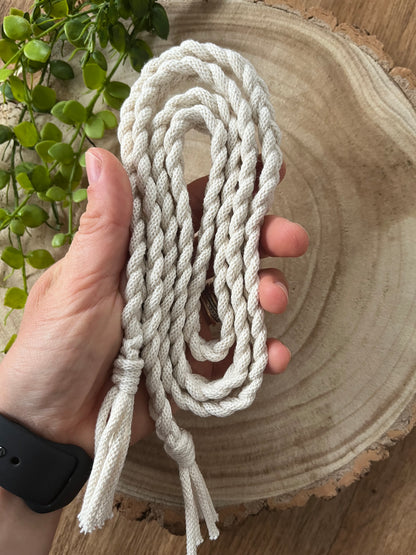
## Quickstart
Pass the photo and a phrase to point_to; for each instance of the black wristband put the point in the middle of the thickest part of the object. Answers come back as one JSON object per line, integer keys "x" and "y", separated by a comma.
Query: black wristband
{"x": 46, "y": 475}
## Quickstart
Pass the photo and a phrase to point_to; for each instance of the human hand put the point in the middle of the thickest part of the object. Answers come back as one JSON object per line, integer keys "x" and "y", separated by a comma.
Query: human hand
{"x": 57, "y": 373}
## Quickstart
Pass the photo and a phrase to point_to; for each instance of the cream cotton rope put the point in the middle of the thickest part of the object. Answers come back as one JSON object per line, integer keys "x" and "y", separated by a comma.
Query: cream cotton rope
{"x": 168, "y": 264}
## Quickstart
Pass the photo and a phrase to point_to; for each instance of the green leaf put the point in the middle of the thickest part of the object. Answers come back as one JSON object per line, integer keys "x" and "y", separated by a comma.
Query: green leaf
{"x": 5, "y": 74}
{"x": 8, "y": 49}
{"x": 40, "y": 259}
{"x": 37, "y": 50}
{"x": 10, "y": 343}
{"x": 75, "y": 30}
{"x": 62, "y": 152}
{"x": 34, "y": 67}
{"x": 82, "y": 161}
{"x": 61, "y": 70}
{"x": 118, "y": 37}
{"x": 40, "y": 179}
{"x": 18, "y": 88}
{"x": 58, "y": 240}
{"x": 140, "y": 8}
{"x": 6, "y": 91}
{"x": 75, "y": 111}
{"x": 94, "y": 128}
{"x": 24, "y": 181}
{"x": 17, "y": 227}
{"x": 26, "y": 134}
{"x": 109, "y": 119}
{"x": 99, "y": 59}
{"x": 59, "y": 8}
{"x": 43, "y": 98}
{"x": 160, "y": 21}
{"x": 12, "y": 257}
{"x": 43, "y": 23}
{"x": 93, "y": 76}
{"x": 33, "y": 215}
{"x": 15, "y": 298}
{"x": 71, "y": 171}
{"x": 112, "y": 101}
{"x": 139, "y": 54}
{"x": 25, "y": 167}
{"x": 16, "y": 27}
{"x": 6, "y": 133}
{"x": 50, "y": 132}
{"x": 117, "y": 89}
{"x": 42, "y": 149}
{"x": 4, "y": 178}
{"x": 79, "y": 195}
{"x": 58, "y": 112}
{"x": 3, "y": 214}
{"x": 16, "y": 11}
{"x": 112, "y": 13}
{"x": 55, "y": 194}
{"x": 103, "y": 36}
{"x": 123, "y": 8}
{"x": 60, "y": 180}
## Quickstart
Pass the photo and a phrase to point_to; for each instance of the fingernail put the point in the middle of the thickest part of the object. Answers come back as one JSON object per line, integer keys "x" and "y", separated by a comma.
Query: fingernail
{"x": 94, "y": 165}
{"x": 283, "y": 288}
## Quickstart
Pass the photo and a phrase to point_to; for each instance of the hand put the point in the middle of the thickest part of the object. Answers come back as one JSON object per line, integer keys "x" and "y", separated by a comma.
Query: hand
{"x": 55, "y": 376}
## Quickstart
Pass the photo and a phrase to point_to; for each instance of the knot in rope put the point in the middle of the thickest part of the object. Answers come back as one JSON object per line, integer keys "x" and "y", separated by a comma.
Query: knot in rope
{"x": 168, "y": 264}
{"x": 181, "y": 448}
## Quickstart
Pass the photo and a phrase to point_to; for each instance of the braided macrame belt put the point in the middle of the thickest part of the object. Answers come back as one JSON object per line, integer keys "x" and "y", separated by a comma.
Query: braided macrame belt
{"x": 167, "y": 268}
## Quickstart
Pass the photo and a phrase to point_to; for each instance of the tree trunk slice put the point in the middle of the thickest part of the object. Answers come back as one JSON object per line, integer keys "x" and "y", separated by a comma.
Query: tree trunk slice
{"x": 349, "y": 140}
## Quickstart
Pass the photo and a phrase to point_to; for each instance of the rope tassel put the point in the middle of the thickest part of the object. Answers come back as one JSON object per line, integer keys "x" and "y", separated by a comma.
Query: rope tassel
{"x": 197, "y": 500}
{"x": 168, "y": 265}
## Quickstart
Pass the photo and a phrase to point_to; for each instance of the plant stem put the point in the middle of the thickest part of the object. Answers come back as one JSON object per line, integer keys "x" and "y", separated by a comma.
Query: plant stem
{"x": 6, "y": 221}
{"x": 23, "y": 268}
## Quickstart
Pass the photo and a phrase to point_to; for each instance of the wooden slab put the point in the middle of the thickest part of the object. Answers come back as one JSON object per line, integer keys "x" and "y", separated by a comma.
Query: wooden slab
{"x": 349, "y": 142}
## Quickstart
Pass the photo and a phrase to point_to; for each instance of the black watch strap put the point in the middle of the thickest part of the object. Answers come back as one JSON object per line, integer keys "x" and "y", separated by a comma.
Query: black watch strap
{"x": 46, "y": 475}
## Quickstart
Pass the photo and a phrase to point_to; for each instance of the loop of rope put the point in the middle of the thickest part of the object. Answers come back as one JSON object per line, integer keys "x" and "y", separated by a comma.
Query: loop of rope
{"x": 167, "y": 268}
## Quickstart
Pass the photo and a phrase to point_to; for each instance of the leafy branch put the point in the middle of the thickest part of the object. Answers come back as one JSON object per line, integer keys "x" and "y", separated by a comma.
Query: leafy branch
{"x": 31, "y": 48}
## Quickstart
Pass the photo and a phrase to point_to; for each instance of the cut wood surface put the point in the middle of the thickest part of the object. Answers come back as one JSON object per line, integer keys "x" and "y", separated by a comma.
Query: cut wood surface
{"x": 350, "y": 149}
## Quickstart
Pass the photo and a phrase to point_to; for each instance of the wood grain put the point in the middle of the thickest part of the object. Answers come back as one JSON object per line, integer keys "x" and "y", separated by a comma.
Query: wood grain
{"x": 374, "y": 516}
{"x": 392, "y": 22}
{"x": 350, "y": 146}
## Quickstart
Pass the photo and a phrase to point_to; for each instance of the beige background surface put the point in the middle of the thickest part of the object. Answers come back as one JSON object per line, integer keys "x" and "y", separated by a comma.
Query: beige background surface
{"x": 377, "y": 514}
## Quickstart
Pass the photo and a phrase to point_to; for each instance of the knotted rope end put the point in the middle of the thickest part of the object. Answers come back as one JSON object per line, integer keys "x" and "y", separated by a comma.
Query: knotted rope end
{"x": 197, "y": 499}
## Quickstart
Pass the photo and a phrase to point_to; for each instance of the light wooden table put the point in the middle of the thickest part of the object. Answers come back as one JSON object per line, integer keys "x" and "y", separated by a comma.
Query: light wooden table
{"x": 377, "y": 515}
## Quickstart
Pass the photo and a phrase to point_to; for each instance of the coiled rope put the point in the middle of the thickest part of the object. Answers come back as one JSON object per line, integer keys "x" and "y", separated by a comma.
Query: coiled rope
{"x": 168, "y": 265}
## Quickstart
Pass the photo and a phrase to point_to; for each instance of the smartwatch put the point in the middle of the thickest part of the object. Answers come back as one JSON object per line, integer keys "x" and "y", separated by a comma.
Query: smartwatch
{"x": 45, "y": 474}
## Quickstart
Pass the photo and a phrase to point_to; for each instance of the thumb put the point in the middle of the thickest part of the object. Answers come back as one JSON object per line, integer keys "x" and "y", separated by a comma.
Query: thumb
{"x": 99, "y": 249}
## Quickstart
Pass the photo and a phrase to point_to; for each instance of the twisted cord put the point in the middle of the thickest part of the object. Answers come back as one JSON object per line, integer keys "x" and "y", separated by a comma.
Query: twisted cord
{"x": 167, "y": 267}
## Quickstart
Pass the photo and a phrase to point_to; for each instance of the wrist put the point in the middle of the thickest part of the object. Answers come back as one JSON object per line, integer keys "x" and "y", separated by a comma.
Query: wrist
{"x": 30, "y": 406}
{"x": 20, "y": 527}
{"x": 45, "y": 474}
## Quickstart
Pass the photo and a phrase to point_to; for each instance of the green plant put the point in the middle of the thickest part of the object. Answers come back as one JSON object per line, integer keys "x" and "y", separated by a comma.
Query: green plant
{"x": 46, "y": 159}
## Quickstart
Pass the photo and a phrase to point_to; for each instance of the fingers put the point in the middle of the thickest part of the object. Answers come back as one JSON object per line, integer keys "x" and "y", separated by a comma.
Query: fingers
{"x": 279, "y": 357}
{"x": 274, "y": 298}
{"x": 281, "y": 237}
{"x": 273, "y": 291}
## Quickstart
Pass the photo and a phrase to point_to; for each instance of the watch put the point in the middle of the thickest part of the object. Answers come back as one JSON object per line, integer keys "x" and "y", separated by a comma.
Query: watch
{"x": 45, "y": 474}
